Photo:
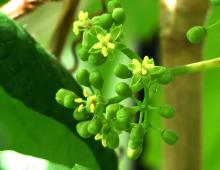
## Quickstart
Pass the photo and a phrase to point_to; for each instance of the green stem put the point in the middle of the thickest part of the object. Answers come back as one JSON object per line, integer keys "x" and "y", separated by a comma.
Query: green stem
{"x": 213, "y": 25}
{"x": 196, "y": 67}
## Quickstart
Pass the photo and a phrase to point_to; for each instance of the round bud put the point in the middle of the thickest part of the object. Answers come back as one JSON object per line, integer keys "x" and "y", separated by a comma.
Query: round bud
{"x": 106, "y": 128}
{"x": 122, "y": 71}
{"x": 94, "y": 126}
{"x": 69, "y": 101}
{"x": 123, "y": 117}
{"x": 136, "y": 136}
{"x": 62, "y": 93}
{"x": 96, "y": 59}
{"x": 112, "y": 5}
{"x": 166, "y": 111}
{"x": 215, "y": 2}
{"x": 83, "y": 115}
{"x": 111, "y": 110}
{"x": 134, "y": 153}
{"x": 165, "y": 77}
{"x": 118, "y": 15}
{"x": 196, "y": 34}
{"x": 112, "y": 140}
{"x": 82, "y": 76}
{"x": 82, "y": 53}
{"x": 81, "y": 128}
{"x": 96, "y": 80}
{"x": 169, "y": 137}
{"x": 123, "y": 90}
{"x": 105, "y": 21}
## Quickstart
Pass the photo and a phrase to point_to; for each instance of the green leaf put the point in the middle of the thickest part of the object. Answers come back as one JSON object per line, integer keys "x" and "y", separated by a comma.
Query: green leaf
{"x": 80, "y": 167}
{"x": 2, "y": 2}
{"x": 32, "y": 75}
{"x": 116, "y": 32}
{"x": 26, "y": 131}
{"x": 10, "y": 160}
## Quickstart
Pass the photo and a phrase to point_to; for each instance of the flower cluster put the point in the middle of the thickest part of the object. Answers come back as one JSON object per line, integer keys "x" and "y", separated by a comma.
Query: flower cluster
{"x": 106, "y": 118}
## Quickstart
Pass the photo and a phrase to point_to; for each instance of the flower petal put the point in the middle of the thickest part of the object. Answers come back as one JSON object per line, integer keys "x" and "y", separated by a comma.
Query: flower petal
{"x": 97, "y": 46}
{"x": 104, "y": 51}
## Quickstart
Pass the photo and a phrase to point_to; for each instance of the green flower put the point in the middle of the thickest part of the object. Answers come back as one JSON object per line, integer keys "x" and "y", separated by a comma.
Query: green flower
{"x": 105, "y": 44}
{"x": 82, "y": 23}
{"x": 142, "y": 68}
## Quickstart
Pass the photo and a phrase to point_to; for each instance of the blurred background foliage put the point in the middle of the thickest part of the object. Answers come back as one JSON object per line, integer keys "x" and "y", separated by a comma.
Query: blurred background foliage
{"x": 141, "y": 33}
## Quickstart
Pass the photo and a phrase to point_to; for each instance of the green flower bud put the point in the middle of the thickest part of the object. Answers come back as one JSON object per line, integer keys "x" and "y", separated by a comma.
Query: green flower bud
{"x": 82, "y": 76}
{"x": 123, "y": 90}
{"x": 215, "y": 2}
{"x": 122, "y": 71}
{"x": 111, "y": 110}
{"x": 134, "y": 153}
{"x": 82, "y": 53}
{"x": 136, "y": 136}
{"x": 123, "y": 117}
{"x": 94, "y": 126}
{"x": 96, "y": 80}
{"x": 96, "y": 59}
{"x": 118, "y": 15}
{"x": 106, "y": 129}
{"x": 196, "y": 34}
{"x": 112, "y": 5}
{"x": 62, "y": 93}
{"x": 165, "y": 77}
{"x": 112, "y": 140}
{"x": 166, "y": 111}
{"x": 82, "y": 129}
{"x": 69, "y": 101}
{"x": 169, "y": 137}
{"x": 104, "y": 20}
{"x": 83, "y": 115}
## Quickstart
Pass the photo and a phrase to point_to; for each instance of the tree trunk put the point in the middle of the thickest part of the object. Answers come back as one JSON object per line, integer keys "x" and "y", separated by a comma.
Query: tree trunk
{"x": 184, "y": 93}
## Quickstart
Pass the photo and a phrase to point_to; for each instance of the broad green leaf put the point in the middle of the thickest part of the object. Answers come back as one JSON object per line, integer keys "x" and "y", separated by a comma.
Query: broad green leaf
{"x": 30, "y": 74}
{"x": 80, "y": 167}
{"x": 26, "y": 131}
{"x": 2, "y": 2}
{"x": 10, "y": 160}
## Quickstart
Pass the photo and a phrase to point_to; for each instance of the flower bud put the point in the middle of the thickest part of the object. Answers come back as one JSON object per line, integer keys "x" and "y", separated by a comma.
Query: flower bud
{"x": 169, "y": 137}
{"x": 136, "y": 136}
{"x": 94, "y": 126}
{"x": 123, "y": 117}
{"x": 82, "y": 76}
{"x": 106, "y": 128}
{"x": 118, "y": 15}
{"x": 111, "y": 110}
{"x": 112, "y": 140}
{"x": 166, "y": 111}
{"x": 96, "y": 80}
{"x": 83, "y": 115}
{"x": 112, "y": 5}
{"x": 96, "y": 59}
{"x": 69, "y": 101}
{"x": 122, "y": 71}
{"x": 81, "y": 128}
{"x": 166, "y": 77}
{"x": 134, "y": 153}
{"x": 105, "y": 21}
{"x": 82, "y": 53}
{"x": 196, "y": 34}
{"x": 123, "y": 90}
{"x": 62, "y": 93}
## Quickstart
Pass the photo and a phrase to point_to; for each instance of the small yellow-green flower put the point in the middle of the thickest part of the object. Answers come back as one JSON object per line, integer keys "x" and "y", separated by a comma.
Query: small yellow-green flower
{"x": 83, "y": 22}
{"x": 142, "y": 68}
{"x": 102, "y": 138}
{"x": 90, "y": 99}
{"x": 104, "y": 45}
